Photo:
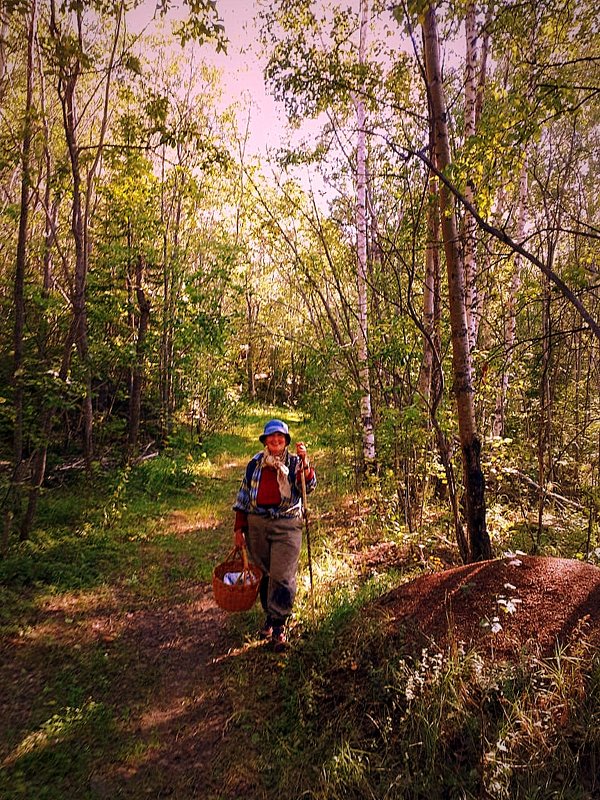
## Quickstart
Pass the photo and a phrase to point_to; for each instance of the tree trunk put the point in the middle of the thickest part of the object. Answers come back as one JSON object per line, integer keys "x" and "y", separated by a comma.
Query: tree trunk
{"x": 171, "y": 222}
{"x": 483, "y": 62}
{"x": 479, "y": 543}
{"x": 3, "y": 36}
{"x": 366, "y": 416}
{"x": 38, "y": 471}
{"x": 545, "y": 422}
{"x": 70, "y": 71}
{"x": 13, "y": 506}
{"x": 162, "y": 358}
{"x": 431, "y": 378}
{"x": 470, "y": 226}
{"x": 137, "y": 373}
{"x": 252, "y": 310}
{"x": 81, "y": 265}
{"x": 431, "y": 298}
{"x": 38, "y": 460}
{"x": 69, "y": 76}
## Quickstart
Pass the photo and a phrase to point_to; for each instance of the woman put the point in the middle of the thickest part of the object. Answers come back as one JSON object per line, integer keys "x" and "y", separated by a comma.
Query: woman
{"x": 269, "y": 519}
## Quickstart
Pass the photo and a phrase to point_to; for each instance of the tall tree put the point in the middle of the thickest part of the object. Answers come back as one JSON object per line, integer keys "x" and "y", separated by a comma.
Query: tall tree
{"x": 479, "y": 542}
{"x": 366, "y": 414}
{"x": 510, "y": 335}
{"x": 320, "y": 65}
{"x": 67, "y": 34}
{"x": 18, "y": 468}
{"x": 137, "y": 370}
{"x": 473, "y": 92}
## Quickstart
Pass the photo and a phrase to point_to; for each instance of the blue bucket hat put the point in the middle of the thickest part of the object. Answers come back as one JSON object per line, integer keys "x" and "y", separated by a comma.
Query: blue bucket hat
{"x": 275, "y": 426}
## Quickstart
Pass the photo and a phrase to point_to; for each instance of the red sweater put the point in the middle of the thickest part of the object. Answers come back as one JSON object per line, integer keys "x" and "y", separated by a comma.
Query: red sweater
{"x": 268, "y": 494}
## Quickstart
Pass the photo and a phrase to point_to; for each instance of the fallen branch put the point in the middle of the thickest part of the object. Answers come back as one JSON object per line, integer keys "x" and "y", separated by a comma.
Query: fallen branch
{"x": 553, "y": 495}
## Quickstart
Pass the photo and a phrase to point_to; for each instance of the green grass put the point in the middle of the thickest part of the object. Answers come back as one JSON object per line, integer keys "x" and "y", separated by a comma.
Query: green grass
{"x": 363, "y": 718}
{"x": 58, "y": 754}
{"x": 142, "y": 537}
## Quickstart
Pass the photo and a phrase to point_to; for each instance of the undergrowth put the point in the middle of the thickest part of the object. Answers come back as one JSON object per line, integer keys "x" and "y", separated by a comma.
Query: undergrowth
{"x": 364, "y": 719}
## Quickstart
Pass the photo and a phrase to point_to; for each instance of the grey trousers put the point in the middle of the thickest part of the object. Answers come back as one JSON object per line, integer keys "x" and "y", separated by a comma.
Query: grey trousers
{"x": 274, "y": 544}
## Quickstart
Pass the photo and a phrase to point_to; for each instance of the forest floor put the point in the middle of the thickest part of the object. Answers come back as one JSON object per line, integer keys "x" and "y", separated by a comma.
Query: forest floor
{"x": 192, "y": 735}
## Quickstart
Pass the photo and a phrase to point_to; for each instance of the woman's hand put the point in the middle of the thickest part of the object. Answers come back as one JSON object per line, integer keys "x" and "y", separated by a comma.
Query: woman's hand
{"x": 303, "y": 455}
{"x": 239, "y": 538}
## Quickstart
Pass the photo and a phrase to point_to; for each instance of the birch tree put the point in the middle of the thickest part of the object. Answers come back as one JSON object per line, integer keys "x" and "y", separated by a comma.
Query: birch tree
{"x": 320, "y": 66}
{"x": 479, "y": 542}
{"x": 366, "y": 416}
{"x": 471, "y": 95}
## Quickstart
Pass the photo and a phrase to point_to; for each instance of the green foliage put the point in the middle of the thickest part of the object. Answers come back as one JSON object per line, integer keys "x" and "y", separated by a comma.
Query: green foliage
{"x": 165, "y": 474}
{"x": 66, "y": 560}
{"x": 351, "y": 712}
{"x": 251, "y": 289}
{"x": 202, "y": 23}
{"x": 313, "y": 64}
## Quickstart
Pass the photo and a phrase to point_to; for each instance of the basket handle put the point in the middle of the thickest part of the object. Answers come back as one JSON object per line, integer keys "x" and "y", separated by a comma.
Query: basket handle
{"x": 234, "y": 555}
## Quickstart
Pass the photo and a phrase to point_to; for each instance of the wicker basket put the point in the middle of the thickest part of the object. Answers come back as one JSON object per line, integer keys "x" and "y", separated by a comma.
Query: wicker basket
{"x": 240, "y": 596}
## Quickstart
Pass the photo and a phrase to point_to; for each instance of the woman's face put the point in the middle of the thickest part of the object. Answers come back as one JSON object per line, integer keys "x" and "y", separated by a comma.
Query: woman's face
{"x": 275, "y": 443}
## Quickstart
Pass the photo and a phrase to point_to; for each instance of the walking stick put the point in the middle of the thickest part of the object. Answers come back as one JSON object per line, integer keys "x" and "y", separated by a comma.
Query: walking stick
{"x": 305, "y": 515}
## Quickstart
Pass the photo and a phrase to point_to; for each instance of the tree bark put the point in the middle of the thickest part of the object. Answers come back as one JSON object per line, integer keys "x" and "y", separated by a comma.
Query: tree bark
{"x": 431, "y": 379}
{"x": 366, "y": 415}
{"x": 479, "y": 542}
{"x": 3, "y": 37}
{"x": 252, "y": 311}
{"x": 545, "y": 423}
{"x": 470, "y": 226}
{"x": 431, "y": 297}
{"x": 69, "y": 76}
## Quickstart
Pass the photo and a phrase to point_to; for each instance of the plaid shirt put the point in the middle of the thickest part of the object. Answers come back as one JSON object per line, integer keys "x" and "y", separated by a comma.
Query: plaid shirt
{"x": 291, "y": 507}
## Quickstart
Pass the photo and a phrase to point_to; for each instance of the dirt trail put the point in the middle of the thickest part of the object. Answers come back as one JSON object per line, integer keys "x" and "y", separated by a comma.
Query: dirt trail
{"x": 181, "y": 733}
{"x": 171, "y": 659}
{"x": 184, "y": 728}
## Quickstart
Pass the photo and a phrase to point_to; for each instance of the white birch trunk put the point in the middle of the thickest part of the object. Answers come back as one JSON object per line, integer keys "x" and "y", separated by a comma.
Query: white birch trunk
{"x": 3, "y": 38}
{"x": 470, "y": 227}
{"x": 430, "y": 290}
{"x": 366, "y": 416}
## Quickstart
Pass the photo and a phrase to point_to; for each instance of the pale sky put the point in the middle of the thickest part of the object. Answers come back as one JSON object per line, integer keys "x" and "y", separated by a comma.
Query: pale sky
{"x": 241, "y": 70}
{"x": 242, "y": 73}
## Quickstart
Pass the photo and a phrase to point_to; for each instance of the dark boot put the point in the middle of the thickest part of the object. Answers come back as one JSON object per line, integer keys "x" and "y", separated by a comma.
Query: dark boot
{"x": 279, "y": 639}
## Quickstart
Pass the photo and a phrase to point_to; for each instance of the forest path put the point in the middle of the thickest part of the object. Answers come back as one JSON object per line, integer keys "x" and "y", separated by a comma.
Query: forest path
{"x": 124, "y": 679}
{"x": 143, "y": 687}
{"x": 180, "y": 727}
{"x": 184, "y": 733}
{"x": 143, "y": 674}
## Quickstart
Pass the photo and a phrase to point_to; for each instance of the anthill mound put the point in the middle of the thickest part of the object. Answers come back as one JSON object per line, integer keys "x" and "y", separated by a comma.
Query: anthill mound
{"x": 504, "y": 607}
